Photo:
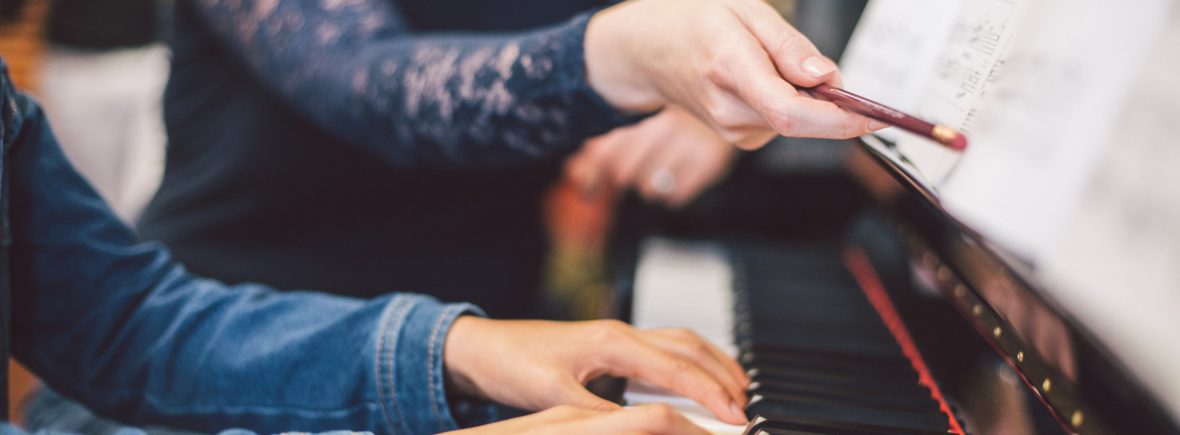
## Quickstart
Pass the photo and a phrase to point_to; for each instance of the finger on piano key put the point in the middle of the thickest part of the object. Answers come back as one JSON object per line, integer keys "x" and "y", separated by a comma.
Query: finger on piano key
{"x": 691, "y": 410}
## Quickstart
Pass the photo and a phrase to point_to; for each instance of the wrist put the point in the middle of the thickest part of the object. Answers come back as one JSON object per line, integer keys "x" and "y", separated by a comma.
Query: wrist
{"x": 459, "y": 357}
{"x": 611, "y": 66}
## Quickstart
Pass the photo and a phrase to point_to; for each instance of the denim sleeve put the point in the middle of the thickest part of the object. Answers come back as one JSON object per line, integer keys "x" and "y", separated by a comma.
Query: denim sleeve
{"x": 117, "y": 325}
{"x": 354, "y": 68}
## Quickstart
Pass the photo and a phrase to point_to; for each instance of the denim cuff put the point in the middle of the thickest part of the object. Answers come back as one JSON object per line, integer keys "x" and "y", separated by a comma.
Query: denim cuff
{"x": 410, "y": 376}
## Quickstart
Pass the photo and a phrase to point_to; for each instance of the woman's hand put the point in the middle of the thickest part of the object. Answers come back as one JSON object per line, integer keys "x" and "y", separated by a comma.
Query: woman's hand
{"x": 568, "y": 420}
{"x": 537, "y": 365}
{"x": 735, "y": 64}
{"x": 669, "y": 158}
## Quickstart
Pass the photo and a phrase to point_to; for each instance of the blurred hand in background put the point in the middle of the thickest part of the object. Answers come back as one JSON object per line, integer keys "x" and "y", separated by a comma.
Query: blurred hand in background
{"x": 668, "y": 159}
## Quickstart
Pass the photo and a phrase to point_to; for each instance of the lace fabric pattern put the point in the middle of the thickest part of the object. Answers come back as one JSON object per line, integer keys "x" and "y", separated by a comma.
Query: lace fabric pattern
{"x": 356, "y": 69}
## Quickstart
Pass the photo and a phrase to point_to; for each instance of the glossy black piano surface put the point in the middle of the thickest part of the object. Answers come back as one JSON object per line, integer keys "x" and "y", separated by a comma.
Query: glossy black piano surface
{"x": 806, "y": 221}
{"x": 822, "y": 359}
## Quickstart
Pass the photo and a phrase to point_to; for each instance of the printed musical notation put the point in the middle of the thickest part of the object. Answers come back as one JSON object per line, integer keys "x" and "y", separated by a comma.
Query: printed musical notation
{"x": 891, "y": 55}
{"x": 974, "y": 56}
{"x": 1045, "y": 117}
{"x": 973, "y": 51}
{"x": 967, "y": 66}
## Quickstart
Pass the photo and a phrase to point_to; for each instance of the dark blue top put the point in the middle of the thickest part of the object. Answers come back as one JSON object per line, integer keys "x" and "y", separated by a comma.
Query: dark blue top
{"x": 364, "y": 146}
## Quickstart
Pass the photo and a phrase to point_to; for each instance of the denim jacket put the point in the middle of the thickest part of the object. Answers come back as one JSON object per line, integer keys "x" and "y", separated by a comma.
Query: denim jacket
{"x": 116, "y": 324}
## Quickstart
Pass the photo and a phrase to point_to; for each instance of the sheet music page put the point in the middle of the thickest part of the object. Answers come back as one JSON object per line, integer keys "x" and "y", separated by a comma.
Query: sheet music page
{"x": 1039, "y": 131}
{"x": 1117, "y": 266}
{"x": 966, "y": 67}
{"x": 893, "y": 52}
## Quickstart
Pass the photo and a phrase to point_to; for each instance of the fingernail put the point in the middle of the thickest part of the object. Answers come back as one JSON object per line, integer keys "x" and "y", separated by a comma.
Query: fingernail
{"x": 818, "y": 66}
{"x": 737, "y": 411}
{"x": 875, "y": 125}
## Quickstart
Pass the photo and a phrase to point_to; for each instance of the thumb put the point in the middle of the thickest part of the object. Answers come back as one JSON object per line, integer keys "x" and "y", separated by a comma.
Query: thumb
{"x": 575, "y": 394}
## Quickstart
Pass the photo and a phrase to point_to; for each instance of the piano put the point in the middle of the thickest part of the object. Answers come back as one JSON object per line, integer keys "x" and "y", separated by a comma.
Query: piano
{"x": 859, "y": 304}
{"x": 893, "y": 326}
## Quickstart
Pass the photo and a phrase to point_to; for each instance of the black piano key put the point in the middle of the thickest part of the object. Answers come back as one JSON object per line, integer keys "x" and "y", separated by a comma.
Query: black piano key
{"x": 822, "y": 353}
{"x": 852, "y": 401}
{"x": 903, "y": 402}
{"x": 851, "y": 381}
{"x": 821, "y": 341}
{"x": 923, "y": 421}
{"x": 856, "y": 357}
{"x": 820, "y": 358}
{"x": 887, "y": 382}
{"x": 872, "y": 392}
{"x": 776, "y": 431}
{"x": 829, "y": 336}
{"x": 864, "y": 369}
{"x": 775, "y": 425}
{"x": 790, "y": 429}
{"x": 848, "y": 318}
{"x": 844, "y": 318}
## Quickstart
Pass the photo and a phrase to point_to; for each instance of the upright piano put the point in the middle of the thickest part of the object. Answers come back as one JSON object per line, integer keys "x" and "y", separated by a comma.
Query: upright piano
{"x": 859, "y": 304}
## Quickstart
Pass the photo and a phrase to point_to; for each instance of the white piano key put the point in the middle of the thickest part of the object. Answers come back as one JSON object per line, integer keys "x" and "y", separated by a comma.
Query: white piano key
{"x": 693, "y": 411}
{"x": 681, "y": 284}
{"x": 685, "y": 285}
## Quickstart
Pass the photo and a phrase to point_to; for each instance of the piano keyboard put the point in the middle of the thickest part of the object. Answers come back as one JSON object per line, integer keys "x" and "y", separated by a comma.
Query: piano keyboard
{"x": 820, "y": 357}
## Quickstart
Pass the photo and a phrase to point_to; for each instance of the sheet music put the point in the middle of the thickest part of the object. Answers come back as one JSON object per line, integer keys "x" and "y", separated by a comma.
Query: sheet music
{"x": 932, "y": 58}
{"x": 1073, "y": 159}
{"x": 1040, "y": 129}
{"x": 966, "y": 67}
{"x": 892, "y": 54}
{"x": 1117, "y": 266}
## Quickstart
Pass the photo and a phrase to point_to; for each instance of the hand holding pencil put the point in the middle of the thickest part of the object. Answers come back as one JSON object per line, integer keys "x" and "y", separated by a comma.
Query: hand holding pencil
{"x": 849, "y": 101}
{"x": 736, "y": 65}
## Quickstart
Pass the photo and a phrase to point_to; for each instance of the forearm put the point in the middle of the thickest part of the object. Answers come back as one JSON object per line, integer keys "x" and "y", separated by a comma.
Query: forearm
{"x": 116, "y": 324}
{"x": 435, "y": 99}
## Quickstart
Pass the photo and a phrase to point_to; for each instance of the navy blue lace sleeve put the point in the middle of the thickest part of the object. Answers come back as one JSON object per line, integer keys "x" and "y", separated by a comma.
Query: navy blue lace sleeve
{"x": 355, "y": 68}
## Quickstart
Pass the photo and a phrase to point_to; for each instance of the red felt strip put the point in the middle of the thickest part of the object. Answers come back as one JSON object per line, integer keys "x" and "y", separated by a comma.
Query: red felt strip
{"x": 866, "y": 276}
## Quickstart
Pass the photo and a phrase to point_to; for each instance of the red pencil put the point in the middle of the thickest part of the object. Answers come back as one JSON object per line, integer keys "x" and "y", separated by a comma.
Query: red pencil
{"x": 849, "y": 101}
